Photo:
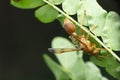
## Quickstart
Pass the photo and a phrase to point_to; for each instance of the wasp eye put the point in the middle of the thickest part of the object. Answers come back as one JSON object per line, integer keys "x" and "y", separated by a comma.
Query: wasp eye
{"x": 69, "y": 26}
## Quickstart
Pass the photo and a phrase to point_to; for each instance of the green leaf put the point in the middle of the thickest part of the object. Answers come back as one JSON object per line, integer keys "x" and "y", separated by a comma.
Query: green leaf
{"x": 85, "y": 71}
{"x": 111, "y": 31}
{"x": 104, "y": 56}
{"x": 93, "y": 72}
{"x": 95, "y": 15}
{"x": 56, "y": 2}
{"x": 66, "y": 59}
{"x": 58, "y": 71}
{"x": 27, "y": 4}
{"x": 61, "y": 19}
{"x": 114, "y": 71}
{"x": 78, "y": 70}
{"x": 46, "y": 14}
{"x": 104, "y": 59}
{"x": 109, "y": 63}
{"x": 70, "y": 6}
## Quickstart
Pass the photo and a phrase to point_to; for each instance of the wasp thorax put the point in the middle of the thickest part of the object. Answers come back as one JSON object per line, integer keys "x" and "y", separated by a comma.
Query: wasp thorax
{"x": 69, "y": 26}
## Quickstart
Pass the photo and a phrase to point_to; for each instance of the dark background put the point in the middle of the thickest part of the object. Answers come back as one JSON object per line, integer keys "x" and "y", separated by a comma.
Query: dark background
{"x": 24, "y": 40}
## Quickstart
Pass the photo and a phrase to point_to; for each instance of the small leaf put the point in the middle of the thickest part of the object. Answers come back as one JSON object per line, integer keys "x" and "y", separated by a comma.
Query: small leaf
{"x": 66, "y": 59}
{"x": 109, "y": 63}
{"x": 93, "y": 72}
{"x": 61, "y": 19}
{"x": 27, "y": 4}
{"x": 78, "y": 70}
{"x": 95, "y": 15}
{"x": 56, "y": 69}
{"x": 85, "y": 71}
{"x": 104, "y": 60}
{"x": 70, "y": 6}
{"x": 46, "y": 14}
{"x": 111, "y": 31}
{"x": 56, "y": 2}
{"x": 114, "y": 71}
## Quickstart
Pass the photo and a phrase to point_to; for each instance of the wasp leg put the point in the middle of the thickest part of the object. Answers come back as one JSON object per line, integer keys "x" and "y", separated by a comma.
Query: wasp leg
{"x": 81, "y": 21}
{"x": 83, "y": 16}
{"x": 93, "y": 27}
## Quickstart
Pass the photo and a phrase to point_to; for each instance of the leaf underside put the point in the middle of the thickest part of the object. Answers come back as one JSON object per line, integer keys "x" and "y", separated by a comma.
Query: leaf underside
{"x": 111, "y": 31}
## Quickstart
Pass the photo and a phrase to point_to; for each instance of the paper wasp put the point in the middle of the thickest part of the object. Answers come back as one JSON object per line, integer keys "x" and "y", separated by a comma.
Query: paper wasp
{"x": 83, "y": 43}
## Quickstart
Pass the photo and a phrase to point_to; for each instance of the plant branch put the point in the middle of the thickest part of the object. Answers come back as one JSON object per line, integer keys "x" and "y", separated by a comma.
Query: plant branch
{"x": 84, "y": 29}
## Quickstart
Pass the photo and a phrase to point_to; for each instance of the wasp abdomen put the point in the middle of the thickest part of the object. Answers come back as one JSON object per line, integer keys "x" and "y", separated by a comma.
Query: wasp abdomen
{"x": 69, "y": 26}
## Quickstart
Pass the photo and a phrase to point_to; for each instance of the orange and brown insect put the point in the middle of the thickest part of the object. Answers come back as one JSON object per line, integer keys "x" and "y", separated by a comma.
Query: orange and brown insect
{"x": 82, "y": 41}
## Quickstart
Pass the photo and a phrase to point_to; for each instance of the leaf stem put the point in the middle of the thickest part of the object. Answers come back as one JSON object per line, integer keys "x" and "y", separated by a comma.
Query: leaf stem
{"x": 84, "y": 29}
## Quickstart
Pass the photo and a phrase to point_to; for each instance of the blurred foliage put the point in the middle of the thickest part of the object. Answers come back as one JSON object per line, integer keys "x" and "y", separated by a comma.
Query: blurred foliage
{"x": 72, "y": 64}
